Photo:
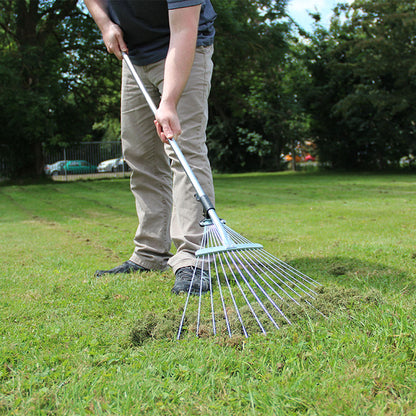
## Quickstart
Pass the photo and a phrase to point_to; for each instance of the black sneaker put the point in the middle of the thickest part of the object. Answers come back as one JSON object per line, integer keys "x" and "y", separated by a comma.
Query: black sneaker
{"x": 127, "y": 267}
{"x": 184, "y": 278}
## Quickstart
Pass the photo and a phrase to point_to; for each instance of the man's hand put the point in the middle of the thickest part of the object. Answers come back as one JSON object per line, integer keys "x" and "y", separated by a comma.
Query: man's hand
{"x": 113, "y": 39}
{"x": 112, "y": 33}
{"x": 167, "y": 122}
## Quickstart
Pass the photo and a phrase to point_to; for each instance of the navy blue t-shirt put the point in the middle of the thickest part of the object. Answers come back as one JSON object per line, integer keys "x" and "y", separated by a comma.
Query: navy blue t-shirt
{"x": 145, "y": 24}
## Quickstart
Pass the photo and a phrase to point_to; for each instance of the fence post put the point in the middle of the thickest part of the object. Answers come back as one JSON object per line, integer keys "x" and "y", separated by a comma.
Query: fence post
{"x": 66, "y": 176}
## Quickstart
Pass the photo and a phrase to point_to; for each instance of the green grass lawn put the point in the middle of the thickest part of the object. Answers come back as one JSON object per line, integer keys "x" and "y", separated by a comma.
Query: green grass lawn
{"x": 67, "y": 339}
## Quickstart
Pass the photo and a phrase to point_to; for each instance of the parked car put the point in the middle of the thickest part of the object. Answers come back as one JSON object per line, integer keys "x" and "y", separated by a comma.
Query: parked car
{"x": 113, "y": 165}
{"x": 78, "y": 167}
{"x": 54, "y": 168}
{"x": 71, "y": 167}
{"x": 408, "y": 161}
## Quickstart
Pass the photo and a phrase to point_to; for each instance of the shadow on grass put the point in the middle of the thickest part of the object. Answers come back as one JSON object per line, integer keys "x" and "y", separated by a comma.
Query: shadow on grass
{"x": 351, "y": 272}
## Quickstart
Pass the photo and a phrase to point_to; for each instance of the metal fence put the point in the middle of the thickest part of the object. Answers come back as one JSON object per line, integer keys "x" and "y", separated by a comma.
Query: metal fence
{"x": 4, "y": 162}
{"x": 86, "y": 160}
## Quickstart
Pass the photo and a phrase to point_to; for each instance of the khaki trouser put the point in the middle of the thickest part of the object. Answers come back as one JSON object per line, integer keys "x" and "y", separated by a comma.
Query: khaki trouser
{"x": 165, "y": 199}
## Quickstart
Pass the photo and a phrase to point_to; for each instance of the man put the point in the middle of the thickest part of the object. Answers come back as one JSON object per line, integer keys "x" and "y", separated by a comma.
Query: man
{"x": 170, "y": 44}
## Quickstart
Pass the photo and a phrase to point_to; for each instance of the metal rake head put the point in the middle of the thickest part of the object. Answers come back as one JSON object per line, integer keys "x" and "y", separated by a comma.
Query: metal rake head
{"x": 250, "y": 290}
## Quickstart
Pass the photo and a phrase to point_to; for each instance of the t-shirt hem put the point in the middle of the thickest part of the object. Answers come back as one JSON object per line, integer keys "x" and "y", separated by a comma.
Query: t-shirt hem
{"x": 179, "y": 4}
{"x": 153, "y": 59}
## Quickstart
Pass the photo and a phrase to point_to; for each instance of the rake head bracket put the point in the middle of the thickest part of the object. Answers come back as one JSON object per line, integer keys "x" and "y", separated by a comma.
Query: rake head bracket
{"x": 222, "y": 249}
{"x": 206, "y": 222}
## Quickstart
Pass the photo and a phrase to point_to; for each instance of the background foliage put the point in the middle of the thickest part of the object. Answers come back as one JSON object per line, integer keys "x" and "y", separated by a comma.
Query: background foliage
{"x": 56, "y": 81}
{"x": 363, "y": 83}
{"x": 349, "y": 88}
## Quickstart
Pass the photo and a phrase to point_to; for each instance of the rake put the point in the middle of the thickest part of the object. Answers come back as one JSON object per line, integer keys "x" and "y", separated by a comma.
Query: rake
{"x": 253, "y": 286}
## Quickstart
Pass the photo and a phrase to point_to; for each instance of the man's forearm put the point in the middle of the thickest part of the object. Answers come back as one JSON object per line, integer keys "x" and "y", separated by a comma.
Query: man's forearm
{"x": 180, "y": 57}
{"x": 98, "y": 11}
{"x": 179, "y": 60}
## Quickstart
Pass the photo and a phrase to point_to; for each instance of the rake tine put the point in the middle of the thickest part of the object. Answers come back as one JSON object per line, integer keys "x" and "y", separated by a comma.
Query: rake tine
{"x": 204, "y": 241}
{"x": 284, "y": 283}
{"x": 313, "y": 307}
{"x": 214, "y": 329}
{"x": 279, "y": 271}
{"x": 222, "y": 297}
{"x": 237, "y": 310}
{"x": 295, "y": 271}
{"x": 267, "y": 256}
{"x": 233, "y": 258}
{"x": 279, "y": 266}
{"x": 242, "y": 240}
{"x": 265, "y": 293}
{"x": 274, "y": 291}
{"x": 282, "y": 265}
{"x": 215, "y": 238}
{"x": 210, "y": 289}
{"x": 244, "y": 295}
{"x": 183, "y": 314}
{"x": 268, "y": 284}
{"x": 200, "y": 297}
{"x": 186, "y": 305}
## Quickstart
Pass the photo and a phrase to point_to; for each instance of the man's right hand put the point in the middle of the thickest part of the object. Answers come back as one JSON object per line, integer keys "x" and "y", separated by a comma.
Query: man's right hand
{"x": 112, "y": 33}
{"x": 113, "y": 39}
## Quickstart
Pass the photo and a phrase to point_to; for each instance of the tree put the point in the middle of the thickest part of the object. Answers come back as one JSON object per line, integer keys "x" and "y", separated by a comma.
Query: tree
{"x": 246, "y": 106}
{"x": 363, "y": 84}
{"x": 52, "y": 65}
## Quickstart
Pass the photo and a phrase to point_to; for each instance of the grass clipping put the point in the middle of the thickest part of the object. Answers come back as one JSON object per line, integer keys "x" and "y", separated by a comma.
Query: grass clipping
{"x": 331, "y": 301}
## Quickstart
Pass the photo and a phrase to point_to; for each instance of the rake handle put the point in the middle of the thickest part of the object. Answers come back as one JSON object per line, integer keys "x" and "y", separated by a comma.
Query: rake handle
{"x": 201, "y": 195}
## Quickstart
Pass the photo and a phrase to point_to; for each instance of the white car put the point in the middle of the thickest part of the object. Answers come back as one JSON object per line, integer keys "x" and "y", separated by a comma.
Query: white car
{"x": 55, "y": 168}
{"x": 112, "y": 165}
